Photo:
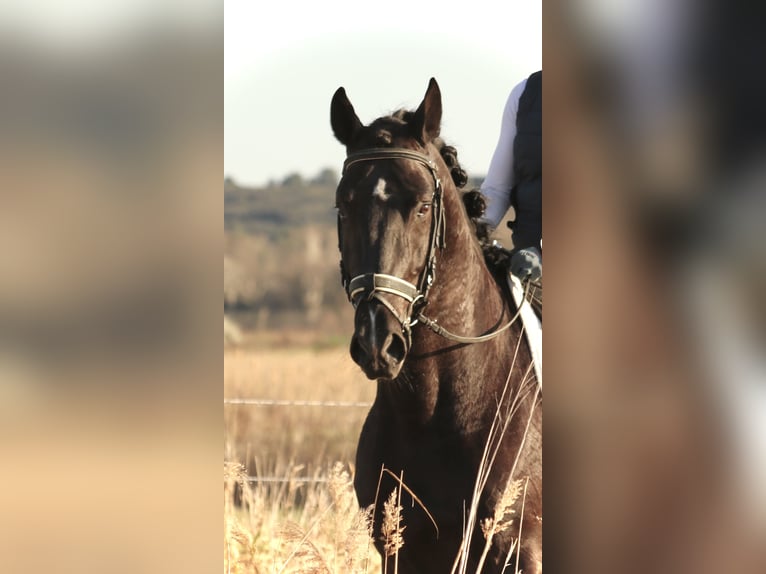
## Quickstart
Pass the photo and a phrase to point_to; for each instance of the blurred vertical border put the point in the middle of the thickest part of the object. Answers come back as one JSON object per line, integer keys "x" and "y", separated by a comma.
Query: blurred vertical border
{"x": 111, "y": 155}
{"x": 655, "y": 428}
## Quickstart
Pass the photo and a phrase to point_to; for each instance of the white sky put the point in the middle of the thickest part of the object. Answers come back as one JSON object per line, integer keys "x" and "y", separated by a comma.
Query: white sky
{"x": 284, "y": 60}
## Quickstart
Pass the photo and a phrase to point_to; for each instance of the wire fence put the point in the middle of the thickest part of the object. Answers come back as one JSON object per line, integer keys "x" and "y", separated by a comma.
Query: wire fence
{"x": 286, "y": 403}
{"x": 279, "y": 479}
{"x": 283, "y": 403}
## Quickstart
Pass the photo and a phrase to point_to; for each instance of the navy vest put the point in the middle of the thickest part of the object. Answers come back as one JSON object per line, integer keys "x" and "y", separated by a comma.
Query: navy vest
{"x": 527, "y": 194}
{"x": 528, "y": 145}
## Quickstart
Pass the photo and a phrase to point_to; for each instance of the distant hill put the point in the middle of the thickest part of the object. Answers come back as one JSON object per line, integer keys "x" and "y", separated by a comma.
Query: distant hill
{"x": 277, "y": 208}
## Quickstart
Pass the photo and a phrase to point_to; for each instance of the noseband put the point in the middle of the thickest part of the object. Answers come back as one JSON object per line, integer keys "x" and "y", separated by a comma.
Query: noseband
{"x": 369, "y": 286}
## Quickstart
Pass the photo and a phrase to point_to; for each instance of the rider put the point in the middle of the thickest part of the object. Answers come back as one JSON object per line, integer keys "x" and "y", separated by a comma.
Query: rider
{"x": 515, "y": 178}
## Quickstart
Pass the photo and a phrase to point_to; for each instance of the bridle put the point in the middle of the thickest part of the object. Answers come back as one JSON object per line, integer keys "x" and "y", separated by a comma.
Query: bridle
{"x": 369, "y": 286}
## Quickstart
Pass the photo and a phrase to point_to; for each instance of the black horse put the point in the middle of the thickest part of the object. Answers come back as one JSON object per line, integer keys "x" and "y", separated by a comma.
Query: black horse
{"x": 458, "y": 411}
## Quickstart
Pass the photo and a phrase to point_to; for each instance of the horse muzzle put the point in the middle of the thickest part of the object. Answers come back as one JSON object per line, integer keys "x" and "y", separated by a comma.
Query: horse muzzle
{"x": 378, "y": 345}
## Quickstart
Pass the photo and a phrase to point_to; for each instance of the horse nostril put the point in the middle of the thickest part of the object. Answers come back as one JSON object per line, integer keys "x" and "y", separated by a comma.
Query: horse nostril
{"x": 396, "y": 348}
{"x": 356, "y": 350}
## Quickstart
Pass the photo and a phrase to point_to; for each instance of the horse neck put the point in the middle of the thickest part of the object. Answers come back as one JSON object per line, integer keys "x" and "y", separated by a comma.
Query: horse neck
{"x": 466, "y": 300}
{"x": 464, "y": 291}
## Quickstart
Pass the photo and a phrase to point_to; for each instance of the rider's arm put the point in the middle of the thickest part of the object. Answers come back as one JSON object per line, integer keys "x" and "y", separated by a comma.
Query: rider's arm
{"x": 497, "y": 186}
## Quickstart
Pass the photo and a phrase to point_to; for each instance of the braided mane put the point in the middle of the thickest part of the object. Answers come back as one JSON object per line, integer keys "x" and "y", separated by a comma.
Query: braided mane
{"x": 475, "y": 204}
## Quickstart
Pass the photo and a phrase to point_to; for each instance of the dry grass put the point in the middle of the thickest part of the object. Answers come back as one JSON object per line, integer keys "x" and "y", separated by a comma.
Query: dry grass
{"x": 274, "y": 531}
{"x": 277, "y": 437}
{"x": 293, "y": 526}
{"x": 392, "y": 528}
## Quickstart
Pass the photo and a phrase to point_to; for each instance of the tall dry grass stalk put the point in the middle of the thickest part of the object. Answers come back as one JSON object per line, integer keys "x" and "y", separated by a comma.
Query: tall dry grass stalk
{"x": 518, "y": 538}
{"x": 305, "y": 557}
{"x": 392, "y": 530}
{"x": 352, "y": 527}
{"x": 502, "y": 518}
{"x": 528, "y": 389}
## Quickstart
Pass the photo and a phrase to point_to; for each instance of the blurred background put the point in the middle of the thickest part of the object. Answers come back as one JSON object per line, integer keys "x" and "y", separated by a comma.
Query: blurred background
{"x": 656, "y": 392}
{"x": 111, "y": 138}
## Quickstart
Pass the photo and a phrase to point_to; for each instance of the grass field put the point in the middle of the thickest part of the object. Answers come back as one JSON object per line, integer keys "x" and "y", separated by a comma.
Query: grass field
{"x": 289, "y": 503}
{"x": 292, "y": 525}
{"x": 269, "y": 437}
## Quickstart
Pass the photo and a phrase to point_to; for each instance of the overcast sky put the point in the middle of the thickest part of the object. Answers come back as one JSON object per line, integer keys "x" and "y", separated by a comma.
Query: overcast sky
{"x": 284, "y": 60}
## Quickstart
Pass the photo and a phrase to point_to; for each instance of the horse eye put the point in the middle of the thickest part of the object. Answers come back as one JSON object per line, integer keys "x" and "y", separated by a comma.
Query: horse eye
{"x": 424, "y": 209}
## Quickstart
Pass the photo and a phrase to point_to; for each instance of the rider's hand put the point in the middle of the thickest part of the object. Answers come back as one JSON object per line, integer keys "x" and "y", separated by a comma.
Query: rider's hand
{"x": 527, "y": 264}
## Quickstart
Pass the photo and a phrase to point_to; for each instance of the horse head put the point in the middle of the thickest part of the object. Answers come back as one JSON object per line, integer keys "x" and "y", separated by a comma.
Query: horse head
{"x": 390, "y": 222}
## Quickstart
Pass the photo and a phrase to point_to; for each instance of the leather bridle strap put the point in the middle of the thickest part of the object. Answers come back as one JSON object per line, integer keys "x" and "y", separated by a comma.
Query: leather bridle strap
{"x": 441, "y": 331}
{"x": 382, "y": 283}
{"x": 389, "y": 153}
{"x": 372, "y": 285}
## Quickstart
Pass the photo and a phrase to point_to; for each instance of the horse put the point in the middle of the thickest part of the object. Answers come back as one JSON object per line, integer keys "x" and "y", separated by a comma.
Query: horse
{"x": 457, "y": 416}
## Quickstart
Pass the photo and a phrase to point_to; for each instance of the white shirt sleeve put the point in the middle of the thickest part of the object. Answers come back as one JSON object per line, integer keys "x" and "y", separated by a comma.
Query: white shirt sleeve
{"x": 497, "y": 186}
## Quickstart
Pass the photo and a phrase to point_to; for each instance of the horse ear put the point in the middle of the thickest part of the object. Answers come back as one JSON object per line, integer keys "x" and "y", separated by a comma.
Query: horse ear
{"x": 428, "y": 117}
{"x": 343, "y": 118}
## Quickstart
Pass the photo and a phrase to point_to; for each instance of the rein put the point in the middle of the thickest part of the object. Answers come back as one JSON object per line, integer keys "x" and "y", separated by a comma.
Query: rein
{"x": 369, "y": 286}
